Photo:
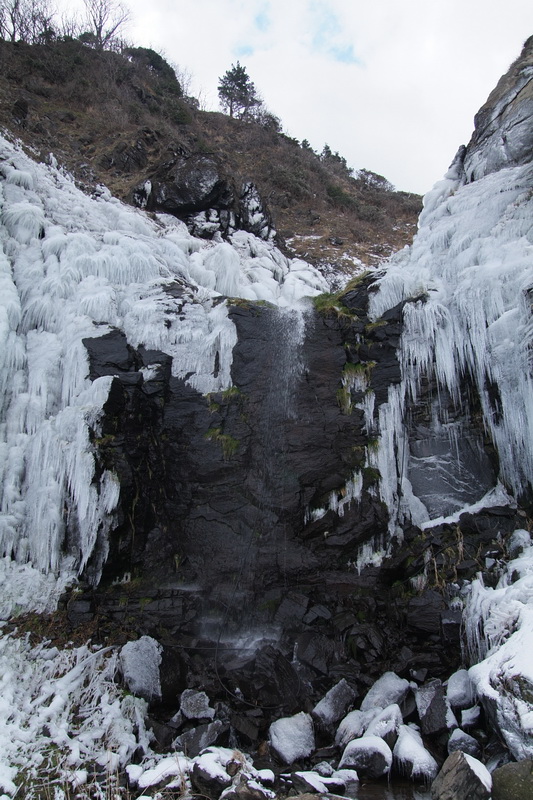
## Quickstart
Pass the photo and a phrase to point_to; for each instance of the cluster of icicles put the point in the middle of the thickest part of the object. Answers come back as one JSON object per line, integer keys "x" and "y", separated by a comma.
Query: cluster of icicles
{"x": 73, "y": 267}
{"x": 467, "y": 282}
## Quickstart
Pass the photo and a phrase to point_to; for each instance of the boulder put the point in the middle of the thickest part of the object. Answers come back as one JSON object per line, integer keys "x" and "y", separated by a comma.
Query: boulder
{"x": 214, "y": 769}
{"x": 307, "y": 781}
{"x": 386, "y": 724}
{"x": 513, "y": 781}
{"x": 460, "y": 691}
{"x": 369, "y": 756}
{"x": 462, "y": 778}
{"x": 433, "y": 709}
{"x": 292, "y": 738}
{"x": 334, "y": 704}
{"x": 388, "y": 689}
{"x": 195, "y": 705}
{"x": 139, "y": 662}
{"x": 169, "y": 768}
{"x": 412, "y": 758}
{"x": 470, "y": 716}
{"x": 352, "y": 726}
{"x": 197, "y": 739}
{"x": 247, "y": 788}
{"x": 459, "y": 740}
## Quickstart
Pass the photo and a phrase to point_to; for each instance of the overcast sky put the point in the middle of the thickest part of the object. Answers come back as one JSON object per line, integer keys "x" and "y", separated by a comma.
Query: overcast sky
{"x": 392, "y": 85}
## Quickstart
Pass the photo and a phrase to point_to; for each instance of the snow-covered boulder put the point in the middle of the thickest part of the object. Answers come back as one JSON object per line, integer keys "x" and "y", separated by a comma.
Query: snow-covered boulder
{"x": 353, "y": 726}
{"x": 412, "y": 758}
{"x": 334, "y": 704}
{"x": 459, "y": 740}
{"x": 369, "y": 756}
{"x": 470, "y": 717}
{"x": 292, "y": 738}
{"x": 386, "y": 724}
{"x": 215, "y": 768}
{"x": 349, "y": 778}
{"x": 311, "y": 781}
{"x": 195, "y": 705}
{"x": 173, "y": 769}
{"x": 247, "y": 787}
{"x": 462, "y": 778}
{"x": 460, "y": 691}
{"x": 139, "y": 661}
{"x": 388, "y": 689}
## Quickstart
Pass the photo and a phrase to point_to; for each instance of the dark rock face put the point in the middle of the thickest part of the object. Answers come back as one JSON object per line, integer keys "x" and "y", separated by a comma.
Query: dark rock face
{"x": 503, "y": 135}
{"x": 457, "y": 780}
{"x": 195, "y": 188}
{"x": 233, "y": 546}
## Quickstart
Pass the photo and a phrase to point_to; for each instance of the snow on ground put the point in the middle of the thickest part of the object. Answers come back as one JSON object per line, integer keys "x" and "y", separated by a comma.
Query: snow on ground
{"x": 61, "y": 710}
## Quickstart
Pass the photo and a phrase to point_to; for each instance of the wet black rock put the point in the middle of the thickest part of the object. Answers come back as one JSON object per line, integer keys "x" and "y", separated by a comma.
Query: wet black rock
{"x": 433, "y": 708}
{"x": 459, "y": 780}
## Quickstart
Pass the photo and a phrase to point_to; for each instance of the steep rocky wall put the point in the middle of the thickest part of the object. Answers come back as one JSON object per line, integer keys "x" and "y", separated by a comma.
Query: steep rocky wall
{"x": 218, "y": 553}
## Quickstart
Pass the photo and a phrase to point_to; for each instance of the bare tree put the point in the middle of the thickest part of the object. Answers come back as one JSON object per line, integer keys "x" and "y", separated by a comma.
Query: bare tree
{"x": 105, "y": 20}
{"x": 26, "y": 20}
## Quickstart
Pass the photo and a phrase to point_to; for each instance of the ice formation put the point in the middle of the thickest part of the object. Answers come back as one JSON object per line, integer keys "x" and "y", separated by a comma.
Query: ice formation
{"x": 466, "y": 283}
{"x": 73, "y": 267}
{"x": 62, "y": 709}
{"x": 500, "y": 635}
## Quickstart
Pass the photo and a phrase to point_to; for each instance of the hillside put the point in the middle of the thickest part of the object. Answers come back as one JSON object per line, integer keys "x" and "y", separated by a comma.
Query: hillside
{"x": 115, "y": 119}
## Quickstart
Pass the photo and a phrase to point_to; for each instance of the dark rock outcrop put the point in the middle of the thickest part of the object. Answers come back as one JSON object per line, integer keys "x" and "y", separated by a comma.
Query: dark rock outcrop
{"x": 503, "y": 135}
{"x": 458, "y": 780}
{"x": 195, "y": 188}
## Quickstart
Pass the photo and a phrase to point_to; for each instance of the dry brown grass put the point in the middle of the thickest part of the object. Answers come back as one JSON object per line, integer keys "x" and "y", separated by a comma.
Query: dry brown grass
{"x": 83, "y": 105}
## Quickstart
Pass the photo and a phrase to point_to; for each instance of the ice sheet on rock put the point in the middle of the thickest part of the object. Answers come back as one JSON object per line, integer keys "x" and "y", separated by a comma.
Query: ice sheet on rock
{"x": 466, "y": 280}
{"x": 72, "y": 267}
{"x": 499, "y": 627}
{"x": 388, "y": 689}
{"x": 411, "y": 756}
{"x": 139, "y": 661}
{"x": 293, "y": 737}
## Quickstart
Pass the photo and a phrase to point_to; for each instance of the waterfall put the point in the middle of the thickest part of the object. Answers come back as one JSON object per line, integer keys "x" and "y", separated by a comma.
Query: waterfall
{"x": 74, "y": 267}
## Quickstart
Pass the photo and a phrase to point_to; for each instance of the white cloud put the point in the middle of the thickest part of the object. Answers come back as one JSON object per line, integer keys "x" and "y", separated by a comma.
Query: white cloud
{"x": 392, "y": 86}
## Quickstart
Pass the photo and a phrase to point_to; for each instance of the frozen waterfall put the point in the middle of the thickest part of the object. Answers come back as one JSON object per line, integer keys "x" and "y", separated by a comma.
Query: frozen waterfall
{"x": 466, "y": 283}
{"x": 74, "y": 267}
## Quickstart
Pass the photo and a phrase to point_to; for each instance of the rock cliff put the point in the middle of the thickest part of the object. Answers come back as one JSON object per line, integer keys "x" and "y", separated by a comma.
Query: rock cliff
{"x": 287, "y": 489}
